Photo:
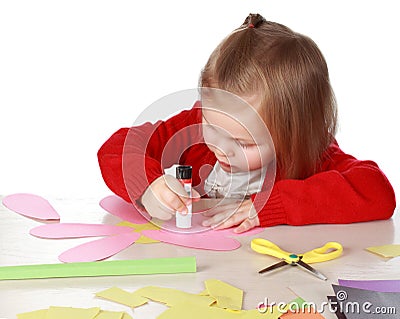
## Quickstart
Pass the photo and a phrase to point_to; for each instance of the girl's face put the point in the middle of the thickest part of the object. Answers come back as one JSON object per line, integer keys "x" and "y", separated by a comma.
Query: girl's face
{"x": 234, "y": 131}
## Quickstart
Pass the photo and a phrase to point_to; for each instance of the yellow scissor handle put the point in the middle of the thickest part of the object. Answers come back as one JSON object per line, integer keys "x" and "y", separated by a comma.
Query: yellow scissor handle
{"x": 329, "y": 251}
{"x": 267, "y": 247}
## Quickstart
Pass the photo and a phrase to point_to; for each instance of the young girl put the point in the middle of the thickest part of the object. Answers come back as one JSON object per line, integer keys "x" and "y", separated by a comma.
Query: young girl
{"x": 281, "y": 76}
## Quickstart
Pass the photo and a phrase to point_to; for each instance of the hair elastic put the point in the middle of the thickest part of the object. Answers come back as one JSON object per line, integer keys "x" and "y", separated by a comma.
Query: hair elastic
{"x": 253, "y": 21}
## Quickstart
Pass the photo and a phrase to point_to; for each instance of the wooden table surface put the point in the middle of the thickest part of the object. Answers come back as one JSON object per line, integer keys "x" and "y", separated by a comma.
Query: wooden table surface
{"x": 238, "y": 267}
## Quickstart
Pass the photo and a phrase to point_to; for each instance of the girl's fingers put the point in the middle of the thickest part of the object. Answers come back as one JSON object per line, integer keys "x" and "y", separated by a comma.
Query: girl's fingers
{"x": 232, "y": 208}
{"x": 173, "y": 202}
{"x": 211, "y": 212}
{"x": 164, "y": 213}
{"x": 232, "y": 220}
{"x": 246, "y": 225}
{"x": 175, "y": 186}
{"x": 234, "y": 215}
{"x": 218, "y": 219}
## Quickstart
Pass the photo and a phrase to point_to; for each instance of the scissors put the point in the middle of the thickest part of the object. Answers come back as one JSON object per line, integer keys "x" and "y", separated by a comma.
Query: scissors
{"x": 329, "y": 251}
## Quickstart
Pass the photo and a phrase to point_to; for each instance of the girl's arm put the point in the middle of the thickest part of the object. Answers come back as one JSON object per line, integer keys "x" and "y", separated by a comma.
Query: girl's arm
{"x": 347, "y": 190}
{"x": 132, "y": 158}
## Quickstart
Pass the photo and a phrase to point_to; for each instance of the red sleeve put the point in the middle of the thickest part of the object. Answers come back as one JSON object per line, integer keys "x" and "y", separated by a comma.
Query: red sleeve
{"x": 346, "y": 190}
{"x": 132, "y": 158}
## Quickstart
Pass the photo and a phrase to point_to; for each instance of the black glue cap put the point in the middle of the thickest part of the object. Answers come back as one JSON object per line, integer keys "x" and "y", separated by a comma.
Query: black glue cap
{"x": 184, "y": 172}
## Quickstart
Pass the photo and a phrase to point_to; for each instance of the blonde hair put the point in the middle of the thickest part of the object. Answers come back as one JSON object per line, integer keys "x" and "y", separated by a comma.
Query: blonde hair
{"x": 290, "y": 73}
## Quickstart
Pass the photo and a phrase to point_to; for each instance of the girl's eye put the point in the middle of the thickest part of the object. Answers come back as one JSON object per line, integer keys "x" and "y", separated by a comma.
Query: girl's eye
{"x": 245, "y": 146}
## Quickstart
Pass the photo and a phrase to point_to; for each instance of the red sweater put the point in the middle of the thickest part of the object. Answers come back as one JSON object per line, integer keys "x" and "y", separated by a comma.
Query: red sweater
{"x": 345, "y": 190}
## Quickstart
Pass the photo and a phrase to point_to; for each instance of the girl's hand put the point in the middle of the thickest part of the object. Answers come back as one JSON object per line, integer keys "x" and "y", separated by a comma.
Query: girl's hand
{"x": 240, "y": 213}
{"x": 165, "y": 196}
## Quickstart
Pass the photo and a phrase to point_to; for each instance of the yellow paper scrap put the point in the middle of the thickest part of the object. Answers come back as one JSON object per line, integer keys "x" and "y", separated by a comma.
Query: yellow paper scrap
{"x": 126, "y": 316}
{"x": 64, "y": 312}
{"x": 109, "y": 315}
{"x": 388, "y": 251}
{"x": 37, "y": 314}
{"x": 146, "y": 240}
{"x": 68, "y": 313}
{"x": 123, "y": 297}
{"x": 171, "y": 297}
{"x": 138, "y": 228}
{"x": 227, "y": 296}
{"x": 204, "y": 293}
{"x": 197, "y": 311}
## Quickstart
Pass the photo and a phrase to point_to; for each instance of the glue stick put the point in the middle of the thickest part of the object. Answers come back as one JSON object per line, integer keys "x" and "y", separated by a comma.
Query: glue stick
{"x": 184, "y": 175}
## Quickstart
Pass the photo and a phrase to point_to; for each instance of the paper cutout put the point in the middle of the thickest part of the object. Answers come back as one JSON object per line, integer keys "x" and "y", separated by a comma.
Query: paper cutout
{"x": 200, "y": 237}
{"x": 197, "y": 225}
{"x": 204, "y": 293}
{"x": 37, "y": 314}
{"x": 227, "y": 296}
{"x": 298, "y": 301}
{"x": 202, "y": 305}
{"x": 333, "y": 301}
{"x": 138, "y": 228}
{"x": 171, "y": 297}
{"x": 68, "y": 313}
{"x": 32, "y": 206}
{"x": 99, "y": 249}
{"x": 126, "y": 211}
{"x": 110, "y": 315}
{"x": 209, "y": 240}
{"x": 387, "y": 251}
{"x": 296, "y": 310}
{"x": 348, "y": 297}
{"x": 76, "y": 230}
{"x": 374, "y": 285}
{"x": 302, "y": 315}
{"x": 123, "y": 297}
{"x": 146, "y": 240}
{"x": 100, "y": 268}
{"x": 75, "y": 313}
{"x": 231, "y": 232}
{"x": 198, "y": 306}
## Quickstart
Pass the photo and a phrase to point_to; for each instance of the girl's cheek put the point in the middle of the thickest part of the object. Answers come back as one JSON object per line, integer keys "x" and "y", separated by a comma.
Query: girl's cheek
{"x": 250, "y": 160}
{"x": 255, "y": 162}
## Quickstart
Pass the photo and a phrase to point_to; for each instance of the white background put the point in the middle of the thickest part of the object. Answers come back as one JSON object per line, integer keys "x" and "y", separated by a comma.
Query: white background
{"x": 73, "y": 72}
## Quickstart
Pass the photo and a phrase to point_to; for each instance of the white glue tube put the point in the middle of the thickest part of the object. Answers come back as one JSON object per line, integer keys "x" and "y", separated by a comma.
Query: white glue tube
{"x": 184, "y": 175}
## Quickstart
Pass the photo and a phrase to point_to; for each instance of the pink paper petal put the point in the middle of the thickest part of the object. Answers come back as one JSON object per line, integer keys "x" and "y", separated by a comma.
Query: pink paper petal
{"x": 99, "y": 249}
{"x": 205, "y": 240}
{"x": 124, "y": 210}
{"x": 75, "y": 230}
{"x": 30, "y": 205}
{"x": 230, "y": 231}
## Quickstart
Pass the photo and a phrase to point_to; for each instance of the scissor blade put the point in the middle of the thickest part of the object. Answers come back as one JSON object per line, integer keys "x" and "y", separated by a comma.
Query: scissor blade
{"x": 307, "y": 267}
{"x": 274, "y": 266}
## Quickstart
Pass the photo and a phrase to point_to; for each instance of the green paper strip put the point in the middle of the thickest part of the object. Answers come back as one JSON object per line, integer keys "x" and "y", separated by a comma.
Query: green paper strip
{"x": 101, "y": 268}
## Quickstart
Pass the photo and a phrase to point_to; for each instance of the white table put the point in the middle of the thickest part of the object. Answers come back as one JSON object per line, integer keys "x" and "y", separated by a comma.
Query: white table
{"x": 238, "y": 267}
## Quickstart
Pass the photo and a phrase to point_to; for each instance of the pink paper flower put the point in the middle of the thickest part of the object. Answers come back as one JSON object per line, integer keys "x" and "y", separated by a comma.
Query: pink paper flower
{"x": 134, "y": 228}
